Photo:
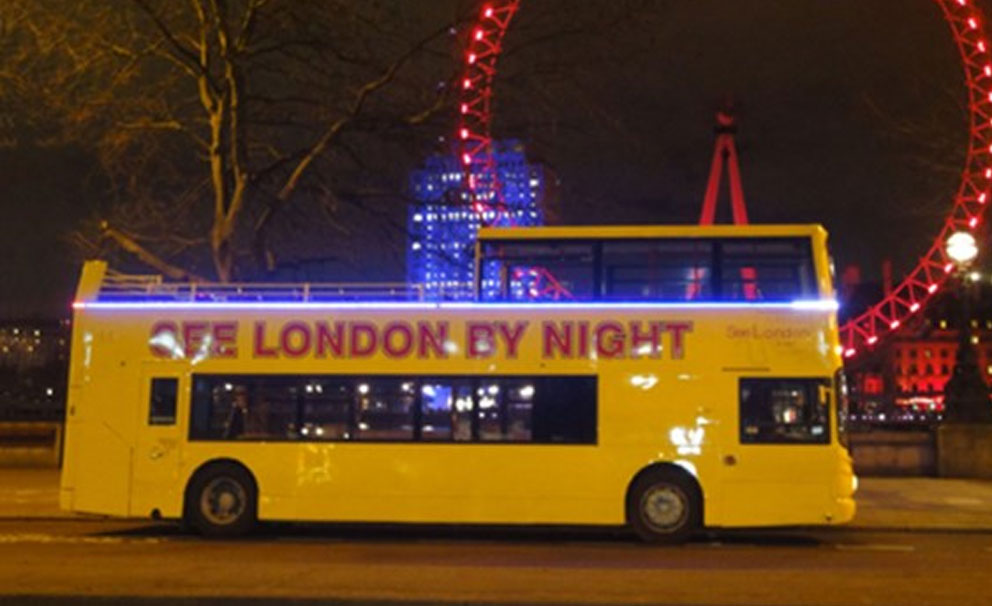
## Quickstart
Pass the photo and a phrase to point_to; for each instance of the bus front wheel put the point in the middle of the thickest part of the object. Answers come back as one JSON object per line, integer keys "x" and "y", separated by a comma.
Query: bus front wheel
{"x": 222, "y": 501}
{"x": 663, "y": 507}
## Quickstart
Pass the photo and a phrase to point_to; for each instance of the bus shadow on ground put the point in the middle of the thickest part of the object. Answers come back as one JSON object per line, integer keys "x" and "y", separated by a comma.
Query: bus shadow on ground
{"x": 399, "y": 533}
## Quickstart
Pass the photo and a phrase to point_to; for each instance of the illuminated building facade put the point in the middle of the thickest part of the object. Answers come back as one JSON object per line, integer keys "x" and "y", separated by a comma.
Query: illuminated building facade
{"x": 904, "y": 378}
{"x": 442, "y": 226}
{"x": 30, "y": 344}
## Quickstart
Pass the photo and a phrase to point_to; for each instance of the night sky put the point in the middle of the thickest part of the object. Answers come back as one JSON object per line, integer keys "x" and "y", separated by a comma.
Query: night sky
{"x": 825, "y": 89}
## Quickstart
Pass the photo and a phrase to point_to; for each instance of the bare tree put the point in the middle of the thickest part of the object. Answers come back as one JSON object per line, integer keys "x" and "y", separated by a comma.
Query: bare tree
{"x": 223, "y": 126}
{"x": 935, "y": 153}
{"x": 242, "y": 136}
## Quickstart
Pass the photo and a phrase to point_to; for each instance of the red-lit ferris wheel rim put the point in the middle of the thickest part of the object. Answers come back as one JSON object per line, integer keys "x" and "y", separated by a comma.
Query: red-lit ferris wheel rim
{"x": 484, "y": 42}
{"x": 968, "y": 26}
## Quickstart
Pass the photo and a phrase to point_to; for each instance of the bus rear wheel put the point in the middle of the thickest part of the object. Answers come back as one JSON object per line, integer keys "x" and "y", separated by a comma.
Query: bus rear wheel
{"x": 222, "y": 501}
{"x": 663, "y": 507}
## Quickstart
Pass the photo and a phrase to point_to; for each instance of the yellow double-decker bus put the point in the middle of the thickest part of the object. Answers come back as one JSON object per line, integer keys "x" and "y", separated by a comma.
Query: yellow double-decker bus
{"x": 666, "y": 378}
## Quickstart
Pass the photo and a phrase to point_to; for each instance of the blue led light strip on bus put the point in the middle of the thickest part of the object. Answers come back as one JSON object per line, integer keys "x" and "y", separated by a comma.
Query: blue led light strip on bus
{"x": 803, "y": 304}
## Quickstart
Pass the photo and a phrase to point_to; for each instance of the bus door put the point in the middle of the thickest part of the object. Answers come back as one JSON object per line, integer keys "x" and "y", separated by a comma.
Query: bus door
{"x": 777, "y": 459}
{"x": 155, "y": 467}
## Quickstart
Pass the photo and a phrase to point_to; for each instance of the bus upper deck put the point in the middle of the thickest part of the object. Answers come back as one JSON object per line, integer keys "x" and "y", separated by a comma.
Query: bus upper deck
{"x": 675, "y": 264}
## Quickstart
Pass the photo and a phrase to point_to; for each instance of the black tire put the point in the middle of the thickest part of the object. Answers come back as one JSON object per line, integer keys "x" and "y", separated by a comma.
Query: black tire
{"x": 222, "y": 501}
{"x": 664, "y": 507}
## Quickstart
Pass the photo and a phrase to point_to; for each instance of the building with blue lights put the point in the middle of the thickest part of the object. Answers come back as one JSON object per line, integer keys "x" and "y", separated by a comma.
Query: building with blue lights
{"x": 442, "y": 226}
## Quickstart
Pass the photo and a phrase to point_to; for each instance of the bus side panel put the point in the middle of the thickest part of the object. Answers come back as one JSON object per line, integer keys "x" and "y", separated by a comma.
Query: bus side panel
{"x": 386, "y": 483}
{"x": 673, "y": 422}
{"x": 489, "y": 484}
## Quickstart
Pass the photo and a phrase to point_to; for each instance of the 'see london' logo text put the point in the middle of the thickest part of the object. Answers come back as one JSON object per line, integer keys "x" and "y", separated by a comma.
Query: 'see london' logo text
{"x": 769, "y": 333}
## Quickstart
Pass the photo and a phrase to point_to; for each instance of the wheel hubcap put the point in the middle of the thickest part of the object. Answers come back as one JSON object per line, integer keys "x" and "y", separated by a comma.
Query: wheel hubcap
{"x": 664, "y": 507}
{"x": 223, "y": 501}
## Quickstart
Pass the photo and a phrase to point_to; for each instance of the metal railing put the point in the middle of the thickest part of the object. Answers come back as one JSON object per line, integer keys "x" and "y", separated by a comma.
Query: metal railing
{"x": 120, "y": 287}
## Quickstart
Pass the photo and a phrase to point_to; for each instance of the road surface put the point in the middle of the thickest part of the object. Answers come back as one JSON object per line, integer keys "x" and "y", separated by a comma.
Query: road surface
{"x": 915, "y": 541}
{"x": 54, "y": 561}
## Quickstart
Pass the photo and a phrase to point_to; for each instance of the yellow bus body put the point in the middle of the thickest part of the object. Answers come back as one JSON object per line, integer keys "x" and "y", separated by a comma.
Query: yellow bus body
{"x": 675, "y": 406}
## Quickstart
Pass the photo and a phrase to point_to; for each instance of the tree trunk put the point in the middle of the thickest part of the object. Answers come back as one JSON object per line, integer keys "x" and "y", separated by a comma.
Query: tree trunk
{"x": 221, "y": 251}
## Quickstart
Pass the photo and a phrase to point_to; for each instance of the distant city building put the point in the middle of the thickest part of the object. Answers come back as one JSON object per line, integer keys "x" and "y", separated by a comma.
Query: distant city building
{"x": 34, "y": 359}
{"x": 31, "y": 344}
{"x": 904, "y": 378}
{"x": 442, "y": 227}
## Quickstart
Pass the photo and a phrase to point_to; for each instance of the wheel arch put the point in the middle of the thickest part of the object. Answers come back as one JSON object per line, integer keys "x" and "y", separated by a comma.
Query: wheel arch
{"x": 672, "y": 469}
{"x": 211, "y": 463}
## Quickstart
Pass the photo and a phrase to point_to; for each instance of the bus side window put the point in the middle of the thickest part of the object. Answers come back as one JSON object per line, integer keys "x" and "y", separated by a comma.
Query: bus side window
{"x": 328, "y": 409}
{"x": 162, "y": 404}
{"x": 519, "y": 398}
{"x": 535, "y": 409}
{"x": 658, "y": 270}
{"x": 244, "y": 408}
{"x": 779, "y": 269}
{"x": 385, "y": 409}
{"x": 564, "y": 410}
{"x": 446, "y": 410}
{"x": 272, "y": 413}
{"x": 490, "y": 411}
{"x": 784, "y": 411}
{"x": 537, "y": 270}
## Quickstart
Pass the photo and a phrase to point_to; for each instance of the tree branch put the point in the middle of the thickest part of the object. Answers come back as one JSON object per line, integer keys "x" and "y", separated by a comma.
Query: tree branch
{"x": 359, "y": 102}
{"x": 184, "y": 52}
{"x": 248, "y": 24}
{"x": 235, "y": 134}
{"x": 147, "y": 257}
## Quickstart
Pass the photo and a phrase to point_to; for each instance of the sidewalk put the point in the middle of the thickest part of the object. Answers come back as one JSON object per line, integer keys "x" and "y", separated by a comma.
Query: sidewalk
{"x": 883, "y": 503}
{"x": 924, "y": 504}
{"x": 30, "y": 493}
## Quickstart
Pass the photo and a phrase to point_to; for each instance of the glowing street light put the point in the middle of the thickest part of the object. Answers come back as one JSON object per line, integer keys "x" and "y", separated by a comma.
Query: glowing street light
{"x": 966, "y": 396}
{"x": 962, "y": 248}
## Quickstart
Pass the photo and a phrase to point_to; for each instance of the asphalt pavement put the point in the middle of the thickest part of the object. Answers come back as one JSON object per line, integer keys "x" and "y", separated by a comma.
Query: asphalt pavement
{"x": 917, "y": 541}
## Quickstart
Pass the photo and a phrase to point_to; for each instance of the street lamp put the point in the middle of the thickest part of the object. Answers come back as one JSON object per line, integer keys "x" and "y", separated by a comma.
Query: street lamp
{"x": 966, "y": 396}
{"x": 962, "y": 249}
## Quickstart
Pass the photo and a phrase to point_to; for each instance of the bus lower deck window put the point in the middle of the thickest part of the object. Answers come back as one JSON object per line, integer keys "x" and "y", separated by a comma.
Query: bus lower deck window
{"x": 446, "y": 410}
{"x": 162, "y": 404}
{"x": 460, "y": 409}
{"x": 784, "y": 411}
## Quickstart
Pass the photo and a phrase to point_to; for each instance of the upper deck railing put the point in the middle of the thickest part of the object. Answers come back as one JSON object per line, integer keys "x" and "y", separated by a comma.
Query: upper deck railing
{"x": 124, "y": 287}
{"x": 126, "y": 290}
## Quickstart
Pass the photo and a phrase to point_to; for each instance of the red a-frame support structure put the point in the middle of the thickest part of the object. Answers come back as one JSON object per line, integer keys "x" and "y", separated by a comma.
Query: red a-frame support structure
{"x": 726, "y": 152}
